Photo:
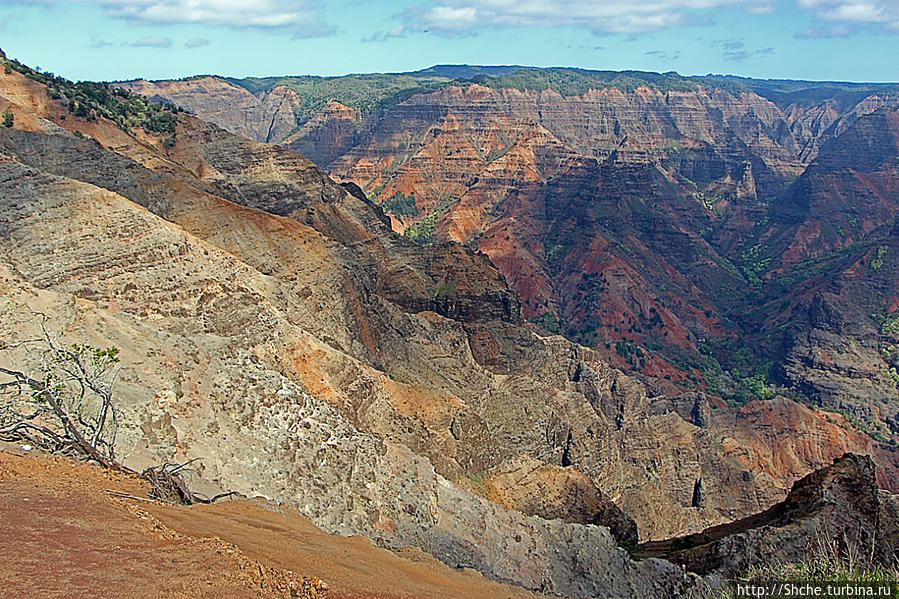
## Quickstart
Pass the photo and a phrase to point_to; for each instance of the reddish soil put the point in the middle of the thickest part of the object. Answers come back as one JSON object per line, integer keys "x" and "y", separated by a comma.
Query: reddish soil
{"x": 63, "y": 534}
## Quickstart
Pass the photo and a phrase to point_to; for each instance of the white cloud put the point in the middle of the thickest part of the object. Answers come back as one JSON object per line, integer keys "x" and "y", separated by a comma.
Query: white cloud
{"x": 382, "y": 36}
{"x": 604, "y": 16}
{"x": 664, "y": 55}
{"x": 855, "y": 11}
{"x": 877, "y": 14}
{"x": 150, "y": 42}
{"x": 454, "y": 17}
{"x": 825, "y": 32}
{"x": 298, "y": 16}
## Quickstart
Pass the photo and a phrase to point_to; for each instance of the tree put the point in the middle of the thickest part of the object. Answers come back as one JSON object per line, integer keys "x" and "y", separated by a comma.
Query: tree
{"x": 69, "y": 396}
{"x": 70, "y": 400}
{"x": 8, "y": 118}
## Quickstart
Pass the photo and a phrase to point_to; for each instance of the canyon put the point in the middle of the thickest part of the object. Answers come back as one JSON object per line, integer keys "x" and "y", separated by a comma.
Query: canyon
{"x": 273, "y": 322}
{"x": 706, "y": 234}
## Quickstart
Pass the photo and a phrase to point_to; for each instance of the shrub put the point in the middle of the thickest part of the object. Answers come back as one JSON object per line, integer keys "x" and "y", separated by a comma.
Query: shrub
{"x": 401, "y": 204}
{"x": 877, "y": 262}
{"x": 423, "y": 231}
{"x": 89, "y": 100}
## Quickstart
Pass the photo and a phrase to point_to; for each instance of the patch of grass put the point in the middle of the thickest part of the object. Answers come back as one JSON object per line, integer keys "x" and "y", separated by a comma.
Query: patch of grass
{"x": 836, "y": 558}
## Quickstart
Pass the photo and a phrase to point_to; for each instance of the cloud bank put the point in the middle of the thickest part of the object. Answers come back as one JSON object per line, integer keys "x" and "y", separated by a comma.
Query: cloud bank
{"x": 299, "y": 17}
{"x": 459, "y": 17}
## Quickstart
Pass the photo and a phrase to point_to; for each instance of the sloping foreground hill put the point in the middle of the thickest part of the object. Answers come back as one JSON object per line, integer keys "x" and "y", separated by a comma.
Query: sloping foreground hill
{"x": 273, "y": 325}
{"x": 102, "y": 532}
{"x": 78, "y": 516}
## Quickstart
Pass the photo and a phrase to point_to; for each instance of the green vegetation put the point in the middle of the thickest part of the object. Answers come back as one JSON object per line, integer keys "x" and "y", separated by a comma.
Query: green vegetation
{"x": 555, "y": 252}
{"x": 90, "y": 101}
{"x": 576, "y": 82}
{"x": 759, "y": 386}
{"x": 632, "y": 353}
{"x": 877, "y": 262}
{"x": 423, "y": 231}
{"x": 746, "y": 377}
{"x": 401, "y": 204}
{"x": 843, "y": 559}
{"x": 893, "y": 375}
{"x": 755, "y": 262}
{"x": 495, "y": 154}
{"x": 370, "y": 93}
{"x": 707, "y": 202}
{"x": 889, "y": 324}
{"x": 872, "y": 428}
{"x": 548, "y": 321}
{"x": 474, "y": 481}
{"x": 73, "y": 391}
{"x": 786, "y": 92}
{"x": 817, "y": 265}
{"x": 8, "y": 118}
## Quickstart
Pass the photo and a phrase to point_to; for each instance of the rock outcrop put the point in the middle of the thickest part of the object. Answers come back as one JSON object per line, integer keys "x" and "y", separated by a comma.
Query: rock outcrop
{"x": 835, "y": 512}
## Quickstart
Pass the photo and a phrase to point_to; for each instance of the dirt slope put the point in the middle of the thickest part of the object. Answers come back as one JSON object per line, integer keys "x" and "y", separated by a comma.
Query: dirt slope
{"x": 55, "y": 511}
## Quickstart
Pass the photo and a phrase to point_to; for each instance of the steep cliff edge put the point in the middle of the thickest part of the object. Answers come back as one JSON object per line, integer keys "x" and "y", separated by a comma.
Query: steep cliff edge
{"x": 837, "y": 511}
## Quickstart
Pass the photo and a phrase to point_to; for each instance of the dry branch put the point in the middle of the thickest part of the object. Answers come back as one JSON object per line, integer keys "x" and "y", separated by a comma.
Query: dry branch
{"x": 75, "y": 385}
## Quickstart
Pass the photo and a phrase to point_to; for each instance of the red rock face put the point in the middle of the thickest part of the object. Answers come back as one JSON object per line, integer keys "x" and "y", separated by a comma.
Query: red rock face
{"x": 327, "y": 135}
{"x": 557, "y": 192}
{"x": 265, "y": 116}
{"x": 643, "y": 223}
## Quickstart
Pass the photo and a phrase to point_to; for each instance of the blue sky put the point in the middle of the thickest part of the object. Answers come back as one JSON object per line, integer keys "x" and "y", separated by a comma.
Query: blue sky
{"x": 851, "y": 40}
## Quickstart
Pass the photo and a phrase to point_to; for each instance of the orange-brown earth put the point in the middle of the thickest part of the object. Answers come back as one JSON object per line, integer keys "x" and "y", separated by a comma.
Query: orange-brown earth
{"x": 69, "y": 518}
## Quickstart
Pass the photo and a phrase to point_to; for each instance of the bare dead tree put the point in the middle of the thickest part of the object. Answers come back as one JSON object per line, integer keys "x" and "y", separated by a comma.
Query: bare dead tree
{"x": 70, "y": 396}
{"x": 167, "y": 484}
{"x": 70, "y": 403}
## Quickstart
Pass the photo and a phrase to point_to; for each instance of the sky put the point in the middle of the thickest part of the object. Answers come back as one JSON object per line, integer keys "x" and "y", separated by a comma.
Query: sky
{"x": 841, "y": 40}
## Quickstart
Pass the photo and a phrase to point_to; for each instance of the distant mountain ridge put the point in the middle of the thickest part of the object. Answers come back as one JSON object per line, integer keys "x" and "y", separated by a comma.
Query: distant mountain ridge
{"x": 366, "y": 92}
